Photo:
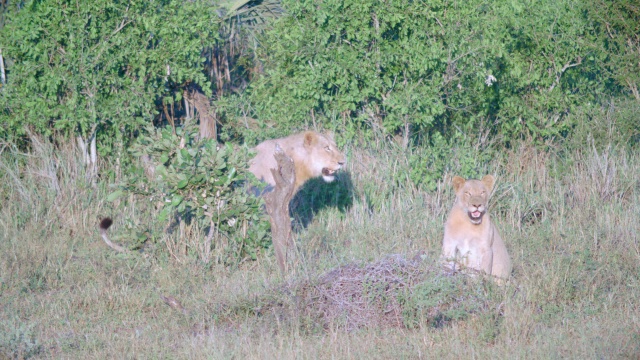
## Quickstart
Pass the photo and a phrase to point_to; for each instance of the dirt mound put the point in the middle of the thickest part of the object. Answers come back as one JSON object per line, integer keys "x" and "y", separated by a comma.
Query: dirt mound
{"x": 392, "y": 292}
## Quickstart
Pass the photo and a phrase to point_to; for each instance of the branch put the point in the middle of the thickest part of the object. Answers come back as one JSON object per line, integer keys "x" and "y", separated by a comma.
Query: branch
{"x": 564, "y": 68}
{"x": 277, "y": 204}
{"x": 123, "y": 23}
{"x": 121, "y": 26}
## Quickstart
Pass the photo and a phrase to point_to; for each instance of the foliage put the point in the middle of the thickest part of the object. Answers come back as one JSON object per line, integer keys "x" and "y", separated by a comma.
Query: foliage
{"x": 80, "y": 65}
{"x": 459, "y": 155}
{"x": 618, "y": 29}
{"x": 18, "y": 340}
{"x": 236, "y": 114}
{"x": 231, "y": 60}
{"x": 455, "y": 298}
{"x": 203, "y": 183}
{"x": 420, "y": 68}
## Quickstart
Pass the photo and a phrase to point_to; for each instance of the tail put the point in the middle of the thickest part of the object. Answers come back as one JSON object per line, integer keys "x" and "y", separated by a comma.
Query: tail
{"x": 104, "y": 226}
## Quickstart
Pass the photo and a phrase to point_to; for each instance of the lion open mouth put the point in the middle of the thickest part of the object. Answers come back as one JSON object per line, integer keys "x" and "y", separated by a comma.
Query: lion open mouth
{"x": 328, "y": 175}
{"x": 475, "y": 216}
{"x": 328, "y": 172}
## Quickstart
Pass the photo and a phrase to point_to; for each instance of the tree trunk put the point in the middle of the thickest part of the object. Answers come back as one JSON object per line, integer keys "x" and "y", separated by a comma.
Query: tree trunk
{"x": 83, "y": 149}
{"x": 89, "y": 154}
{"x": 187, "y": 108}
{"x": 3, "y": 78}
{"x": 406, "y": 134}
{"x": 277, "y": 203}
{"x": 206, "y": 253}
{"x": 632, "y": 86}
{"x": 206, "y": 117}
{"x": 93, "y": 156}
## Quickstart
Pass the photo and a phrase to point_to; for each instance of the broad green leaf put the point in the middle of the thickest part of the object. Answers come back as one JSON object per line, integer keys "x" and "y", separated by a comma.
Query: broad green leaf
{"x": 183, "y": 183}
{"x": 115, "y": 195}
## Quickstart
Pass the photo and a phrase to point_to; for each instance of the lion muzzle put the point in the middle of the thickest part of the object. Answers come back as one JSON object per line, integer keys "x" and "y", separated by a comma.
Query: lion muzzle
{"x": 329, "y": 175}
{"x": 476, "y": 212}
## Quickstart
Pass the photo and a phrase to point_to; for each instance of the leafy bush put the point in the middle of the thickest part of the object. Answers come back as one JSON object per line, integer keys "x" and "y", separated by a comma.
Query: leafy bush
{"x": 443, "y": 299}
{"x": 201, "y": 183}
{"x": 421, "y": 68}
{"x": 459, "y": 155}
{"x": 99, "y": 67}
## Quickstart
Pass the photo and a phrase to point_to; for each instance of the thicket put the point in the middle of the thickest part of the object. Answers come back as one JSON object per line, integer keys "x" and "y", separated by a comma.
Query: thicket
{"x": 97, "y": 68}
{"x": 396, "y": 67}
{"x": 198, "y": 186}
{"x": 439, "y": 67}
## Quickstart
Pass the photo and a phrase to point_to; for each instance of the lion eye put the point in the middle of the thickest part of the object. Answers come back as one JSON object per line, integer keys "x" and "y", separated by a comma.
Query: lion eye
{"x": 328, "y": 148}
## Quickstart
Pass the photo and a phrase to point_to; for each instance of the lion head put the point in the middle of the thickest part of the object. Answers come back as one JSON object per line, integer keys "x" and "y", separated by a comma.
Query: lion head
{"x": 313, "y": 154}
{"x": 473, "y": 196}
{"x": 323, "y": 157}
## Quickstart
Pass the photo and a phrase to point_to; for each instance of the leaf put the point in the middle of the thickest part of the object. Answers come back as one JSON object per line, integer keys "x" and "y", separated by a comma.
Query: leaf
{"x": 164, "y": 214}
{"x": 183, "y": 183}
{"x": 176, "y": 200}
{"x": 115, "y": 195}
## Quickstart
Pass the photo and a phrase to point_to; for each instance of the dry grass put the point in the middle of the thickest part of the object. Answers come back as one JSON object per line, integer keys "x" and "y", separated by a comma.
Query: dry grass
{"x": 570, "y": 221}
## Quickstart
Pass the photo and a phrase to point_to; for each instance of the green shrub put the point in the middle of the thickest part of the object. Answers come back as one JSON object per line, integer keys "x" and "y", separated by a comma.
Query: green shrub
{"x": 458, "y": 155}
{"x": 419, "y": 68}
{"x": 17, "y": 340}
{"x": 199, "y": 182}
{"x": 442, "y": 299}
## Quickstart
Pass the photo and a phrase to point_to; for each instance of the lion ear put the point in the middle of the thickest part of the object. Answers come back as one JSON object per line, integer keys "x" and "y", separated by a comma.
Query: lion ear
{"x": 489, "y": 181}
{"x": 458, "y": 182}
{"x": 310, "y": 138}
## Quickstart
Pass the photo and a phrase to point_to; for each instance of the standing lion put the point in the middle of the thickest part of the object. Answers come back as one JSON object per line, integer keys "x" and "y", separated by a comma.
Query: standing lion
{"x": 470, "y": 237}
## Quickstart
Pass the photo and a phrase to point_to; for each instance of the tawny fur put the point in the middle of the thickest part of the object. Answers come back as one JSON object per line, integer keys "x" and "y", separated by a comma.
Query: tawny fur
{"x": 470, "y": 237}
{"x": 313, "y": 155}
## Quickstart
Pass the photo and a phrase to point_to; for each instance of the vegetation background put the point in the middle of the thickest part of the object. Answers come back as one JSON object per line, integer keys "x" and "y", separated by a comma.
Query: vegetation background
{"x": 146, "y": 111}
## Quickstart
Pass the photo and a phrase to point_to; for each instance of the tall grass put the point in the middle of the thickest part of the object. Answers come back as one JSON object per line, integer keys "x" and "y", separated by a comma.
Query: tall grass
{"x": 570, "y": 217}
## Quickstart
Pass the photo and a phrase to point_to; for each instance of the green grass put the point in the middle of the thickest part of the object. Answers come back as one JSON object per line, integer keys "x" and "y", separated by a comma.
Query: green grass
{"x": 570, "y": 220}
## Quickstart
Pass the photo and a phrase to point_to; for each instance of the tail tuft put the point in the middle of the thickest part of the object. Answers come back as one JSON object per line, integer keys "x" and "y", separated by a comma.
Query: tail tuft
{"x": 105, "y": 223}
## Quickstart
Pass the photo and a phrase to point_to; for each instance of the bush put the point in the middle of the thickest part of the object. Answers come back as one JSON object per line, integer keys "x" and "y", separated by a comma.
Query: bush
{"x": 422, "y": 68}
{"x": 200, "y": 183}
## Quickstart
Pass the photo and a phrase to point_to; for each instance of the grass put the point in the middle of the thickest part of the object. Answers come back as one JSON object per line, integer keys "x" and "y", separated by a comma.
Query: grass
{"x": 570, "y": 220}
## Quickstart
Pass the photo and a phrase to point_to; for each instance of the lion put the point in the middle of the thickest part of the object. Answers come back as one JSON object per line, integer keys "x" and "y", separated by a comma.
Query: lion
{"x": 470, "y": 237}
{"x": 313, "y": 155}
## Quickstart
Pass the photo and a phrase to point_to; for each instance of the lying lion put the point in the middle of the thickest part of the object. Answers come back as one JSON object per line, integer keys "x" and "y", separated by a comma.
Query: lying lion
{"x": 313, "y": 155}
{"x": 470, "y": 238}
